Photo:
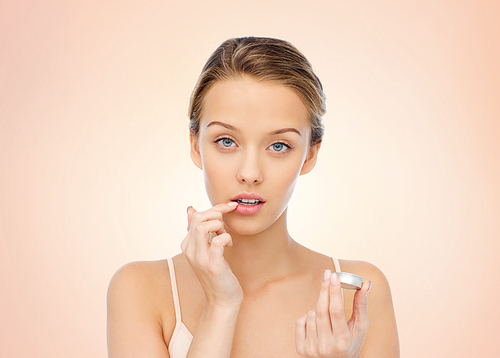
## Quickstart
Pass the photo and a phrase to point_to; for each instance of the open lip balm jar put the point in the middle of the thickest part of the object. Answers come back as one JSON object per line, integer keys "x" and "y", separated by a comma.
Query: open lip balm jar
{"x": 350, "y": 281}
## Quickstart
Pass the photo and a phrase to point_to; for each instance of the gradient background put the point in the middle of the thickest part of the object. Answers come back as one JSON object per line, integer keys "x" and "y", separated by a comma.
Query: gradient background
{"x": 95, "y": 170}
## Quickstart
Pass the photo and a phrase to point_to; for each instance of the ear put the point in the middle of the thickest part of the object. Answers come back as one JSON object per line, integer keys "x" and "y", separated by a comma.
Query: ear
{"x": 311, "y": 158}
{"x": 195, "y": 151}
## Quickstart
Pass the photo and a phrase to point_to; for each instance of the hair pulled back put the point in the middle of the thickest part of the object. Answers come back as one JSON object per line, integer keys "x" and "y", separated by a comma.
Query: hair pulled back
{"x": 264, "y": 59}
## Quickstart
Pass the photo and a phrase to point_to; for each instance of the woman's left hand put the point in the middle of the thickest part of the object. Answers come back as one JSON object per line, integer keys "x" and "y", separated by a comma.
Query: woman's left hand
{"x": 325, "y": 331}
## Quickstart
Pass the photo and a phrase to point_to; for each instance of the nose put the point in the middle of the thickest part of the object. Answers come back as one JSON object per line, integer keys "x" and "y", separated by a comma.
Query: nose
{"x": 250, "y": 171}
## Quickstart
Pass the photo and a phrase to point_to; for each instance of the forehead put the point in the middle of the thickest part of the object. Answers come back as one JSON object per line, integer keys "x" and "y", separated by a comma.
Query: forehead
{"x": 247, "y": 103}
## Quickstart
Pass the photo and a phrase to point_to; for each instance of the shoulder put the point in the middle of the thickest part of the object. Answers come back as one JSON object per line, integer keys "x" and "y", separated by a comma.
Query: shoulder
{"x": 379, "y": 297}
{"x": 144, "y": 284}
{"x": 139, "y": 278}
{"x": 141, "y": 288}
{"x": 140, "y": 268}
{"x": 139, "y": 303}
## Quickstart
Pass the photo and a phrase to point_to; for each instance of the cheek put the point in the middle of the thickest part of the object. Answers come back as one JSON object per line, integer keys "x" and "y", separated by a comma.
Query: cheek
{"x": 289, "y": 180}
{"x": 283, "y": 177}
{"x": 216, "y": 175}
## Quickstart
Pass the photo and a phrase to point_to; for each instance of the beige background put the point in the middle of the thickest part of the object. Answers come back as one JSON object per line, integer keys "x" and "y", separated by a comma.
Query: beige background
{"x": 95, "y": 171}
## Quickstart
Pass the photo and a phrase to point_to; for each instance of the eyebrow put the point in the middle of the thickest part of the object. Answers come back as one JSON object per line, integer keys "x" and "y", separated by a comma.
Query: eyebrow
{"x": 225, "y": 125}
{"x": 230, "y": 127}
{"x": 284, "y": 130}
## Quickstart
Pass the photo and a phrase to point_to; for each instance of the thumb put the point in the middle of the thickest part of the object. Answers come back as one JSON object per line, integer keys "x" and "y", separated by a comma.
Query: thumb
{"x": 190, "y": 212}
{"x": 359, "y": 319}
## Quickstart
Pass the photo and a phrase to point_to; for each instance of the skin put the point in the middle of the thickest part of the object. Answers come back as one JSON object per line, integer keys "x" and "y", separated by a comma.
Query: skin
{"x": 246, "y": 287}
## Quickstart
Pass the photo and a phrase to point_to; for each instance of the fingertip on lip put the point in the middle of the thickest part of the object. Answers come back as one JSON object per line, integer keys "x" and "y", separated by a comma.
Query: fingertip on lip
{"x": 233, "y": 204}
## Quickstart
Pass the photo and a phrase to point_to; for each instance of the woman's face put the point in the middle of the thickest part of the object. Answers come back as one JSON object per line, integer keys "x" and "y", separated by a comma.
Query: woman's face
{"x": 252, "y": 145}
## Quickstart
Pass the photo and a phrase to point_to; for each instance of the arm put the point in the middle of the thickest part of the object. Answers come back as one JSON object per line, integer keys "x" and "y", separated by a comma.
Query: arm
{"x": 215, "y": 331}
{"x": 133, "y": 322}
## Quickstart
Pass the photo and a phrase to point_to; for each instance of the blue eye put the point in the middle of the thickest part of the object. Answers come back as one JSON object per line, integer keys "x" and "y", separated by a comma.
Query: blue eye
{"x": 279, "y": 147}
{"x": 226, "y": 142}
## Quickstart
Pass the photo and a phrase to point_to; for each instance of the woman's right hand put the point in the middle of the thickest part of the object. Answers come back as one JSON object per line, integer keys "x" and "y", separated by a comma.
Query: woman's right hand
{"x": 206, "y": 256}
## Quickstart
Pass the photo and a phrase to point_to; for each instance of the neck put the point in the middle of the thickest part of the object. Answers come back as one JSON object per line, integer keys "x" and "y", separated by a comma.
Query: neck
{"x": 259, "y": 259}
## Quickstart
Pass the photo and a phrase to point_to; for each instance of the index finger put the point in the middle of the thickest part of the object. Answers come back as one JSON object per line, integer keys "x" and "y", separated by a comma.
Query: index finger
{"x": 225, "y": 208}
{"x": 214, "y": 213}
{"x": 337, "y": 311}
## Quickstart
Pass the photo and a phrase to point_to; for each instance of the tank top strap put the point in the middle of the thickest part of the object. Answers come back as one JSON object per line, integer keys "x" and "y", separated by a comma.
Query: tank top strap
{"x": 336, "y": 263}
{"x": 175, "y": 292}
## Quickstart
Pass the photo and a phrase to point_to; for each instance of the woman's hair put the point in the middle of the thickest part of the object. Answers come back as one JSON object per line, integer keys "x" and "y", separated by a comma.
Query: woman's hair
{"x": 264, "y": 59}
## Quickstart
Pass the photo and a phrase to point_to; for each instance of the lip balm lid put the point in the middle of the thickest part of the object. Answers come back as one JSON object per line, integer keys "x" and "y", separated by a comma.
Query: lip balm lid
{"x": 350, "y": 281}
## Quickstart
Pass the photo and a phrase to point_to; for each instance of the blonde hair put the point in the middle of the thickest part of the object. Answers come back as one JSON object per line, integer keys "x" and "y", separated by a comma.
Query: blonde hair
{"x": 265, "y": 59}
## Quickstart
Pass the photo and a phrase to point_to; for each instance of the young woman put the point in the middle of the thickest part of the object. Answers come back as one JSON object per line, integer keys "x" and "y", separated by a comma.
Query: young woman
{"x": 242, "y": 287}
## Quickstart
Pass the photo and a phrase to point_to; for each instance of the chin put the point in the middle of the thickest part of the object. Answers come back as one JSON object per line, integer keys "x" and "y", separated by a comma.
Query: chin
{"x": 244, "y": 227}
{"x": 244, "y": 230}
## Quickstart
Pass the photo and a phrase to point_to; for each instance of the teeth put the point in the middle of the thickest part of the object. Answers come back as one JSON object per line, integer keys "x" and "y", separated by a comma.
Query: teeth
{"x": 248, "y": 201}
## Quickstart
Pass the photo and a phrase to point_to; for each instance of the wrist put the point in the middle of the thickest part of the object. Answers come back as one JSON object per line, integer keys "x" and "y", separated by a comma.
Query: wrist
{"x": 221, "y": 315}
{"x": 223, "y": 307}
{"x": 232, "y": 302}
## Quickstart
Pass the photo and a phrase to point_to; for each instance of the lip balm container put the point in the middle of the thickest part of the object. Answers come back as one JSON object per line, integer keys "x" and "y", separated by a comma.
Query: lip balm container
{"x": 350, "y": 281}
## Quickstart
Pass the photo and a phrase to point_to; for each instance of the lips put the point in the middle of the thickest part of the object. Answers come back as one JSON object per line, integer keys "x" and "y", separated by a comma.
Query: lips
{"x": 248, "y": 199}
{"x": 248, "y": 203}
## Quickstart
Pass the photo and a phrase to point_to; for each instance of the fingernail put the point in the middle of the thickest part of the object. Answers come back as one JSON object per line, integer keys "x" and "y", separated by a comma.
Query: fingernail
{"x": 369, "y": 287}
{"x": 334, "y": 278}
{"x": 233, "y": 204}
{"x": 327, "y": 275}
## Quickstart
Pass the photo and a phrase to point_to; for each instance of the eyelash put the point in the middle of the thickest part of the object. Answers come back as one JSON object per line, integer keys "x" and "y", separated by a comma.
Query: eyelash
{"x": 221, "y": 146}
{"x": 288, "y": 145}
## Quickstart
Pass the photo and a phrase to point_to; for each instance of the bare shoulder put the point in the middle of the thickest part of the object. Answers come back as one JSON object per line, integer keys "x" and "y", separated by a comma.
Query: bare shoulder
{"x": 369, "y": 272}
{"x": 144, "y": 280}
{"x": 139, "y": 272}
{"x": 138, "y": 302}
{"x": 379, "y": 296}
{"x": 382, "y": 336}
